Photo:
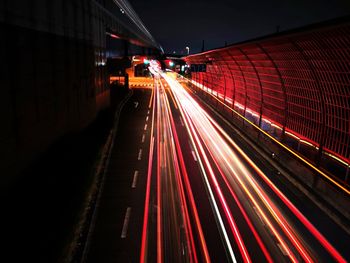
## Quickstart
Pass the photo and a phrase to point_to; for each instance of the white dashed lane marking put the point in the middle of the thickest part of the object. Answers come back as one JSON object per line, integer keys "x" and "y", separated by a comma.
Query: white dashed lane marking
{"x": 126, "y": 223}
{"x": 134, "y": 181}
{"x": 139, "y": 157}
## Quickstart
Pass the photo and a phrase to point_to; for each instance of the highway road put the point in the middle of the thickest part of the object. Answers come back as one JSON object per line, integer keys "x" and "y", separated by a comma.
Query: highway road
{"x": 202, "y": 195}
{"x": 253, "y": 220}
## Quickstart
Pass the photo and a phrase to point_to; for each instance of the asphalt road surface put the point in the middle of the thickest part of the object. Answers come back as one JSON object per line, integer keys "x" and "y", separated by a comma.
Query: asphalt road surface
{"x": 183, "y": 187}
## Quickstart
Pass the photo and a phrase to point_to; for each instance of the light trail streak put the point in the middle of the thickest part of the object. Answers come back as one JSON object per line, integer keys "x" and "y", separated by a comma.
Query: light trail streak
{"x": 159, "y": 200}
{"x": 273, "y": 210}
{"x": 189, "y": 192}
{"x": 206, "y": 125}
{"x": 189, "y": 128}
{"x": 286, "y": 201}
{"x": 229, "y": 159}
{"x": 271, "y": 207}
{"x": 323, "y": 174}
{"x": 147, "y": 197}
{"x": 265, "y": 217}
{"x": 250, "y": 224}
{"x": 207, "y": 132}
{"x": 184, "y": 209}
{"x": 174, "y": 235}
{"x": 151, "y": 99}
{"x": 206, "y": 136}
{"x": 173, "y": 99}
{"x": 170, "y": 142}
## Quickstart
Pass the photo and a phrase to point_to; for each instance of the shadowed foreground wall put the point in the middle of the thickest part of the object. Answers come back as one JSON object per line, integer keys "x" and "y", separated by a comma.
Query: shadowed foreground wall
{"x": 53, "y": 79}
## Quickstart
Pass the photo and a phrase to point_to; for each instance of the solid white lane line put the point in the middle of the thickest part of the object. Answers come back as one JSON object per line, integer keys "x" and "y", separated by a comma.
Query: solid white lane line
{"x": 145, "y": 127}
{"x": 194, "y": 156}
{"x": 126, "y": 223}
{"x": 140, "y": 155}
{"x": 143, "y": 138}
{"x": 134, "y": 181}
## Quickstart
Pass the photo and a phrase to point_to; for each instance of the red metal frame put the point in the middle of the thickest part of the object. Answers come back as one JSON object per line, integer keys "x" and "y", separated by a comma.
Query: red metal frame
{"x": 298, "y": 81}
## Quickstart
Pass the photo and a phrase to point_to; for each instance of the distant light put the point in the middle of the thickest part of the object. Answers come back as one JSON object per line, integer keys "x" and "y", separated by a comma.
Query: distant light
{"x": 112, "y": 35}
{"x": 145, "y": 61}
{"x": 101, "y": 63}
{"x": 182, "y": 68}
{"x": 171, "y": 63}
{"x": 121, "y": 10}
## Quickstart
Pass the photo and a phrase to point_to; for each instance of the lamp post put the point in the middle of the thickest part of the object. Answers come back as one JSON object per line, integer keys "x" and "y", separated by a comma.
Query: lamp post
{"x": 188, "y": 50}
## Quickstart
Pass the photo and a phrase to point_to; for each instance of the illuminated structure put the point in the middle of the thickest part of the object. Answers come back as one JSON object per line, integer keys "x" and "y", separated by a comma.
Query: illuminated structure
{"x": 293, "y": 85}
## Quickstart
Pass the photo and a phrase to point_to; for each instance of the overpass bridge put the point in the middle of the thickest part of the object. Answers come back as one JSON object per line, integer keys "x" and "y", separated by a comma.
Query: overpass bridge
{"x": 243, "y": 158}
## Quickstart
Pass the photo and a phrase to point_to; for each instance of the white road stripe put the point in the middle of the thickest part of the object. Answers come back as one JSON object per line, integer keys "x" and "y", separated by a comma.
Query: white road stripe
{"x": 145, "y": 127}
{"x": 134, "y": 181}
{"x": 194, "y": 156}
{"x": 140, "y": 155}
{"x": 146, "y": 118}
{"x": 143, "y": 138}
{"x": 147, "y": 112}
{"x": 126, "y": 223}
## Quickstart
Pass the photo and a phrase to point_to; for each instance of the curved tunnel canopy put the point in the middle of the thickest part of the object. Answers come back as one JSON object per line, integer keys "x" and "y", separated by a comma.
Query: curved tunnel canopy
{"x": 297, "y": 80}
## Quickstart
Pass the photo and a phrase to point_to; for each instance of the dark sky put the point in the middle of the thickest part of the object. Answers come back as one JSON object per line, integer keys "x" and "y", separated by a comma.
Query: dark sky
{"x": 180, "y": 23}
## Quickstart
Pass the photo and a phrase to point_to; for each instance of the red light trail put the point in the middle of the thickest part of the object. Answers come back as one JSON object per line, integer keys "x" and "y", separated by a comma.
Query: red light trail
{"x": 230, "y": 179}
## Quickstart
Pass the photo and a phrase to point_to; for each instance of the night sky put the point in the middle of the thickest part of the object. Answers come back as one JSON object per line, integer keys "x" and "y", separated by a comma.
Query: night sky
{"x": 181, "y": 23}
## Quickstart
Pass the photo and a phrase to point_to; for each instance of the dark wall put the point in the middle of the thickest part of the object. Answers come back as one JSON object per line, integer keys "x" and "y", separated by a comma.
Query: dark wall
{"x": 47, "y": 90}
{"x": 53, "y": 79}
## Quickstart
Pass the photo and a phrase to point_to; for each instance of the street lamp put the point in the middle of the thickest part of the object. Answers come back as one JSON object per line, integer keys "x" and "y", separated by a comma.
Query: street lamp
{"x": 188, "y": 50}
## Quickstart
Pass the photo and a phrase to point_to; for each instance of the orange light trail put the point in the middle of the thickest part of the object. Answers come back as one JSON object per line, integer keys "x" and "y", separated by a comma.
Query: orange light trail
{"x": 286, "y": 201}
{"x": 159, "y": 201}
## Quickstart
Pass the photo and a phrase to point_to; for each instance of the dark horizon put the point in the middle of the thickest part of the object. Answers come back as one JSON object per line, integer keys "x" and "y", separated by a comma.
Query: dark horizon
{"x": 186, "y": 23}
